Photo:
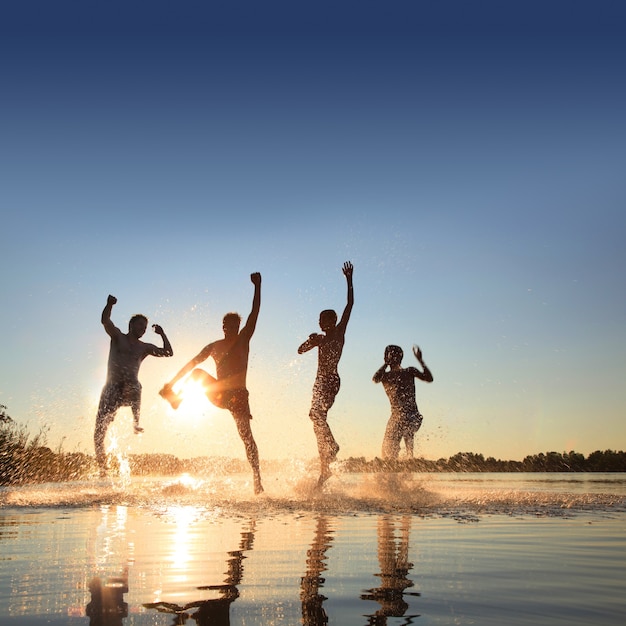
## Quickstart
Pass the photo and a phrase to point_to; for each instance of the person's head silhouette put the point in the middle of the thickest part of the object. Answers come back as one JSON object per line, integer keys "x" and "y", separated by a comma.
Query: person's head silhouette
{"x": 230, "y": 324}
{"x": 393, "y": 355}
{"x": 328, "y": 320}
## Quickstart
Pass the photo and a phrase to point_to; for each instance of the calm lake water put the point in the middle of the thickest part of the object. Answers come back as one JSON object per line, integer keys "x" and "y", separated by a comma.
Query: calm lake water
{"x": 371, "y": 549}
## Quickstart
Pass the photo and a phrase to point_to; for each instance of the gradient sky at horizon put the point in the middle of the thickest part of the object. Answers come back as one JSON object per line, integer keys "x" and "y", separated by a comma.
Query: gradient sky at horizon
{"x": 468, "y": 158}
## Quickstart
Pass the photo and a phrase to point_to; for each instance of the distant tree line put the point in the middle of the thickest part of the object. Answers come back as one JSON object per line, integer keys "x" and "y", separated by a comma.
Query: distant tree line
{"x": 25, "y": 459}
{"x": 598, "y": 461}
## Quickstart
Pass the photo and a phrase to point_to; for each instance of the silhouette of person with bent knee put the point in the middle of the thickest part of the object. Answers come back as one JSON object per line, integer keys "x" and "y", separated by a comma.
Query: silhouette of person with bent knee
{"x": 327, "y": 382}
{"x": 228, "y": 390}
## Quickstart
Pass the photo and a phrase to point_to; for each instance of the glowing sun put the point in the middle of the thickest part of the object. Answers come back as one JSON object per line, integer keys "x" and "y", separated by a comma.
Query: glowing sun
{"x": 195, "y": 403}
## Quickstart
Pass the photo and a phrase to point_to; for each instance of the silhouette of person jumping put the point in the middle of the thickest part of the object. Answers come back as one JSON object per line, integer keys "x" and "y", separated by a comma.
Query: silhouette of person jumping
{"x": 399, "y": 384}
{"x": 228, "y": 390}
{"x": 327, "y": 381}
{"x": 122, "y": 386}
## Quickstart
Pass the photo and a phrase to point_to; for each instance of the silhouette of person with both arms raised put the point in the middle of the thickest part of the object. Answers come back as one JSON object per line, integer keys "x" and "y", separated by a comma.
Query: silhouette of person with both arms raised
{"x": 327, "y": 381}
{"x": 228, "y": 390}
{"x": 122, "y": 386}
{"x": 399, "y": 384}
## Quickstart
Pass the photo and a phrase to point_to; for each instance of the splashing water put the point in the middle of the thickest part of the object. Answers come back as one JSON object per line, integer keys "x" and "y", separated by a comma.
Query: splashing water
{"x": 114, "y": 449}
{"x": 293, "y": 488}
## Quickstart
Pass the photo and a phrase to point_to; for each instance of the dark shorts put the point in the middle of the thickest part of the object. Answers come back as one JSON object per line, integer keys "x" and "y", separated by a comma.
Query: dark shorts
{"x": 236, "y": 401}
{"x": 115, "y": 396}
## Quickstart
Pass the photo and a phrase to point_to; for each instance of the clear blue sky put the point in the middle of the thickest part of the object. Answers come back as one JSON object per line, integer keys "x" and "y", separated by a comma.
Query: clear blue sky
{"x": 468, "y": 158}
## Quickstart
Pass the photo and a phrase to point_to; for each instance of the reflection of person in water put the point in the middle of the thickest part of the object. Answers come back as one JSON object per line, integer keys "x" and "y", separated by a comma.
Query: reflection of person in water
{"x": 228, "y": 390}
{"x": 393, "y": 559}
{"x": 107, "y": 606}
{"x": 326, "y": 387}
{"x": 122, "y": 386}
{"x": 216, "y": 611}
{"x": 313, "y": 613}
{"x": 399, "y": 384}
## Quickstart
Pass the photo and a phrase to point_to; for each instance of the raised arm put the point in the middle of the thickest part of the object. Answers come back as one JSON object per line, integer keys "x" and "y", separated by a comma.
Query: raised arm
{"x": 256, "y": 305}
{"x": 426, "y": 375}
{"x": 166, "y": 350}
{"x": 105, "y": 318}
{"x": 347, "y": 272}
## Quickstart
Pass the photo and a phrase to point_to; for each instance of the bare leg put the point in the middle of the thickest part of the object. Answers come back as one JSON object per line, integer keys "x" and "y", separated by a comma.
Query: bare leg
{"x": 135, "y": 407}
{"x": 107, "y": 408}
{"x": 211, "y": 386}
{"x": 391, "y": 441}
{"x": 409, "y": 436}
{"x": 167, "y": 393}
{"x": 327, "y": 447}
{"x": 325, "y": 391}
{"x": 102, "y": 425}
{"x": 408, "y": 442}
{"x": 252, "y": 452}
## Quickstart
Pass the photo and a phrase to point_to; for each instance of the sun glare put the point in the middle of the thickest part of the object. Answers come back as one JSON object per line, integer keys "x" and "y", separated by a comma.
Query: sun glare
{"x": 184, "y": 517}
{"x": 194, "y": 404}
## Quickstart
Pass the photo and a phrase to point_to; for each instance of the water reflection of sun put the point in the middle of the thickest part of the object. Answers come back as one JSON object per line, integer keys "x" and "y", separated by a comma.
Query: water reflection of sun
{"x": 184, "y": 517}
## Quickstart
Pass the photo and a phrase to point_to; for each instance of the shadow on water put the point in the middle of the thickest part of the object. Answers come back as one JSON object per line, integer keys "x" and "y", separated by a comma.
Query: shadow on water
{"x": 214, "y": 611}
{"x": 393, "y": 558}
{"x": 107, "y": 606}
{"x": 313, "y": 613}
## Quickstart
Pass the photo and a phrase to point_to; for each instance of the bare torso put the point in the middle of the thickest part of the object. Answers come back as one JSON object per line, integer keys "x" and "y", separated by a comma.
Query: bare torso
{"x": 125, "y": 357}
{"x": 400, "y": 389}
{"x": 330, "y": 350}
{"x": 231, "y": 360}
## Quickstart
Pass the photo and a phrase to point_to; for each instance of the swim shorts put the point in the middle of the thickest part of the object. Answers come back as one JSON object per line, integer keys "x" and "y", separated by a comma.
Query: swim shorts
{"x": 236, "y": 401}
{"x": 117, "y": 395}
